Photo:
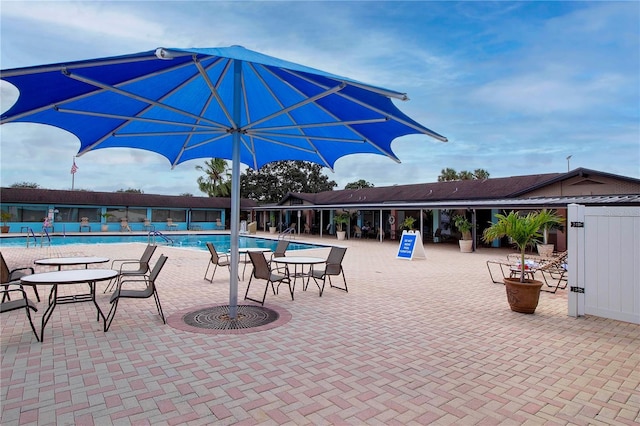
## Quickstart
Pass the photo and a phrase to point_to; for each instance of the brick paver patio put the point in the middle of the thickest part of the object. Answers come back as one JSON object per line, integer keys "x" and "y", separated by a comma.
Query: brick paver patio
{"x": 412, "y": 343}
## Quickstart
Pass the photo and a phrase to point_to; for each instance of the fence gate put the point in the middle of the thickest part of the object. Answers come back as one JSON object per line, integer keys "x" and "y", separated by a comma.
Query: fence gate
{"x": 604, "y": 271}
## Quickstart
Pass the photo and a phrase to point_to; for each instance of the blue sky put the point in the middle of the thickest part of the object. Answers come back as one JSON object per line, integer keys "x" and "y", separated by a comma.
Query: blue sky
{"x": 517, "y": 87}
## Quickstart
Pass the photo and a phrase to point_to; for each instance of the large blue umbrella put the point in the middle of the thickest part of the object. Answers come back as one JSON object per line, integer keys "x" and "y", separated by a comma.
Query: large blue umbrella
{"x": 229, "y": 103}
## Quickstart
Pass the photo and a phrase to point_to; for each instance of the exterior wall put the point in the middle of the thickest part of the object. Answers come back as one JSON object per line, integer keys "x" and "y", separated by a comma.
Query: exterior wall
{"x": 597, "y": 185}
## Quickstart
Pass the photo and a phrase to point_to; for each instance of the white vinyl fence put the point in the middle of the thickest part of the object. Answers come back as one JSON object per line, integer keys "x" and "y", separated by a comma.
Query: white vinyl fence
{"x": 604, "y": 262}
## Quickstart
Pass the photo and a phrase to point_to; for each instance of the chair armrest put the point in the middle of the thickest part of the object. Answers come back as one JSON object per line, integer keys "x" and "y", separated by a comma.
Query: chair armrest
{"x": 123, "y": 267}
{"x": 27, "y": 268}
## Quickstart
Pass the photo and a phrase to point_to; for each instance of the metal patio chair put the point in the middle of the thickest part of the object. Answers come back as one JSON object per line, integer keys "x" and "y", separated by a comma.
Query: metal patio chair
{"x": 217, "y": 259}
{"x": 132, "y": 267}
{"x": 149, "y": 290}
{"x": 9, "y": 275}
{"x": 262, "y": 271}
{"x": 332, "y": 268}
{"x": 16, "y": 303}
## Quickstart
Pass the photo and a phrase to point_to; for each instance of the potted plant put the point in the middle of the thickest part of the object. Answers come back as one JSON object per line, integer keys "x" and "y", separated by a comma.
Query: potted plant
{"x": 272, "y": 223}
{"x": 408, "y": 223}
{"x": 340, "y": 220}
{"x": 524, "y": 231}
{"x": 104, "y": 227}
{"x": 464, "y": 226}
{"x": 5, "y": 217}
{"x": 544, "y": 248}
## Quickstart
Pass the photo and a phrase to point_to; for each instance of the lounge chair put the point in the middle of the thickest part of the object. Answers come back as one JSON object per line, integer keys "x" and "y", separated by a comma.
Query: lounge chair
{"x": 170, "y": 225}
{"x": 148, "y": 291}
{"x": 553, "y": 270}
{"x": 124, "y": 225}
{"x": 333, "y": 267}
{"x": 147, "y": 225}
{"x": 262, "y": 271}
{"x": 84, "y": 223}
{"x": 8, "y": 276}
{"x": 132, "y": 267}
{"x": 21, "y": 302}
{"x": 217, "y": 259}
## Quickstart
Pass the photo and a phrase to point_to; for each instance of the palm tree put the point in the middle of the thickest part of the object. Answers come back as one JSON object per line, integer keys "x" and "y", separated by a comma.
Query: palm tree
{"x": 524, "y": 231}
{"x": 217, "y": 179}
{"x": 447, "y": 174}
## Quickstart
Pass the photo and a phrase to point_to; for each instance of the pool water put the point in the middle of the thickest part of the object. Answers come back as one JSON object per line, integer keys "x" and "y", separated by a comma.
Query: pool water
{"x": 220, "y": 241}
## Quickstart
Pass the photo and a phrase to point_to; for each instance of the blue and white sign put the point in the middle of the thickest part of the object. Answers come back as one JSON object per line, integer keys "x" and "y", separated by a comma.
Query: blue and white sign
{"x": 410, "y": 246}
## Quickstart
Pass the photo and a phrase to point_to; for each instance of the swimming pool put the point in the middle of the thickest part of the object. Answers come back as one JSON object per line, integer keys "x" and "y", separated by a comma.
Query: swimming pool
{"x": 220, "y": 241}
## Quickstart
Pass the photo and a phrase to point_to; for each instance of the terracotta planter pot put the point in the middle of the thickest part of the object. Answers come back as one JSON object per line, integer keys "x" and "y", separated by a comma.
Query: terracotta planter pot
{"x": 4, "y": 229}
{"x": 522, "y": 297}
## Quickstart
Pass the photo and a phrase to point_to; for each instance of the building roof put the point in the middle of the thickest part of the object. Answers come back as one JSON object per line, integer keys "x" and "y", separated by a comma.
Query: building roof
{"x": 495, "y": 192}
{"x": 124, "y": 199}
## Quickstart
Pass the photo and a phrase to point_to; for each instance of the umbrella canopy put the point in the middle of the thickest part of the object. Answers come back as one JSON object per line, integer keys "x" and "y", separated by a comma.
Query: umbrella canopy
{"x": 230, "y": 103}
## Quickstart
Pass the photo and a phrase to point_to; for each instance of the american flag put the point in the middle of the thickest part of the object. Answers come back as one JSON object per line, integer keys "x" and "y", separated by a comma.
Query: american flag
{"x": 74, "y": 168}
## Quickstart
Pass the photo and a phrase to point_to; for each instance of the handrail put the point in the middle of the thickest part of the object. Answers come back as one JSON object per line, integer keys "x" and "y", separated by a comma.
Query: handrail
{"x": 45, "y": 232}
{"x": 158, "y": 234}
{"x": 35, "y": 240}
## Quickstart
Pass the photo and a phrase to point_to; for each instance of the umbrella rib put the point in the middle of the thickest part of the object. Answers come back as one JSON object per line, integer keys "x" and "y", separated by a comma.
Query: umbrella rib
{"x": 382, "y": 151}
{"x": 326, "y": 124}
{"x": 296, "y": 106}
{"x": 214, "y": 90}
{"x": 124, "y": 93}
{"x": 294, "y": 136}
{"x": 174, "y": 133}
{"x": 268, "y": 88}
{"x": 378, "y": 90}
{"x": 130, "y": 119}
{"x": 187, "y": 148}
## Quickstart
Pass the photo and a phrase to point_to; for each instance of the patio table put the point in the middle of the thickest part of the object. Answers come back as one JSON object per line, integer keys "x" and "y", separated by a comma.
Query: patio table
{"x": 301, "y": 261}
{"x": 71, "y": 261}
{"x": 72, "y": 277}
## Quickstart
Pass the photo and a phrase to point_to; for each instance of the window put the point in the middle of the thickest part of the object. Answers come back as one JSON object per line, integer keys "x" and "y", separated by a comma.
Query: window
{"x": 161, "y": 215}
{"x": 205, "y": 215}
{"x": 137, "y": 215}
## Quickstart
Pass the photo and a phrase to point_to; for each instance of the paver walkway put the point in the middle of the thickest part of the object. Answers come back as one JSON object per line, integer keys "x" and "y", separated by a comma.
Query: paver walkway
{"x": 412, "y": 343}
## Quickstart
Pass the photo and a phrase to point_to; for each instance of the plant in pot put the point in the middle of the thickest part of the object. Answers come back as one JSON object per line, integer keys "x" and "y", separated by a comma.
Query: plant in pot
{"x": 104, "y": 227}
{"x": 341, "y": 219}
{"x": 464, "y": 226}
{"x": 522, "y": 293}
{"x": 544, "y": 248}
{"x": 5, "y": 217}
{"x": 272, "y": 223}
{"x": 408, "y": 223}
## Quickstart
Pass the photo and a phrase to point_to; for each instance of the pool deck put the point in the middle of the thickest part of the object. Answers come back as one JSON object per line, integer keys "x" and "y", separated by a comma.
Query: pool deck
{"x": 429, "y": 341}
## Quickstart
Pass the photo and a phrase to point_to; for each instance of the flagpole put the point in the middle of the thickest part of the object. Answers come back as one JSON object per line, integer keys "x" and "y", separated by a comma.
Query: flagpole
{"x": 73, "y": 173}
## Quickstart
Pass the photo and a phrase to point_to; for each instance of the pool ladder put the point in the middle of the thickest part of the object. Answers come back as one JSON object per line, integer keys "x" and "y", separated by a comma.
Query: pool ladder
{"x": 31, "y": 234}
{"x": 152, "y": 237}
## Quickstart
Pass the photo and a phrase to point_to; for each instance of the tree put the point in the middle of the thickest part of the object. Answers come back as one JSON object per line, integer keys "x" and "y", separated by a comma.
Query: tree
{"x": 217, "y": 179}
{"x": 447, "y": 175}
{"x": 275, "y": 180}
{"x": 465, "y": 175}
{"x": 31, "y": 185}
{"x": 450, "y": 174}
{"x": 481, "y": 174}
{"x": 359, "y": 184}
{"x": 131, "y": 190}
{"x": 186, "y": 194}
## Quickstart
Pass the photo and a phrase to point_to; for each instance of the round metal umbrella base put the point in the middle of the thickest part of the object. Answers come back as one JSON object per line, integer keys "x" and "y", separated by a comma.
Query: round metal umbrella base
{"x": 215, "y": 319}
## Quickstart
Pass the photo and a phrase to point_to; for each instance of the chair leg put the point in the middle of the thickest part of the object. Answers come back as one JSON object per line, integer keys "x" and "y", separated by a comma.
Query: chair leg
{"x": 155, "y": 295}
{"x": 340, "y": 288}
{"x": 112, "y": 313}
{"x": 264, "y": 296}
{"x": 33, "y": 328}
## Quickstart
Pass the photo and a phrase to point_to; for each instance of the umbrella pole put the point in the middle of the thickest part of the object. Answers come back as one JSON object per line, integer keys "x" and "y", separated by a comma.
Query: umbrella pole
{"x": 235, "y": 190}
